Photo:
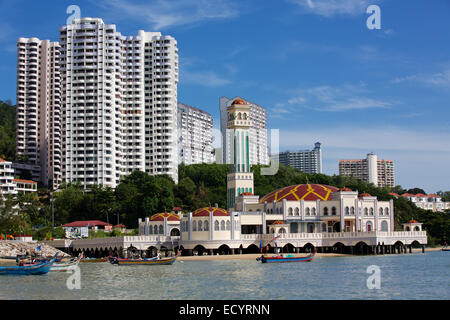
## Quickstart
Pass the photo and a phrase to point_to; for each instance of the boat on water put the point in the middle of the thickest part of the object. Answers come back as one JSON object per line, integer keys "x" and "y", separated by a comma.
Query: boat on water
{"x": 65, "y": 266}
{"x": 285, "y": 258}
{"x": 34, "y": 269}
{"x": 145, "y": 262}
{"x": 94, "y": 260}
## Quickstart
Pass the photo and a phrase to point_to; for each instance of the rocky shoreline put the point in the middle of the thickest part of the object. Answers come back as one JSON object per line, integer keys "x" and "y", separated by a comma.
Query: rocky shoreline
{"x": 14, "y": 248}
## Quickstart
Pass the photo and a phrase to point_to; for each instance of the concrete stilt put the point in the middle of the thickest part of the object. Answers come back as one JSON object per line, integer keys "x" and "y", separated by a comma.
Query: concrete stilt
{"x": 410, "y": 249}
{"x": 423, "y": 249}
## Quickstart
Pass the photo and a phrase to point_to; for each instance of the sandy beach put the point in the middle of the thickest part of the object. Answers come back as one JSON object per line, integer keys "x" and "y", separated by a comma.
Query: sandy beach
{"x": 7, "y": 262}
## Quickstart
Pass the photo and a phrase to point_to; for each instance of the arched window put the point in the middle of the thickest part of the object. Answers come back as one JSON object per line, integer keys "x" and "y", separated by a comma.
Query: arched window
{"x": 371, "y": 211}
{"x": 308, "y": 212}
{"x": 150, "y": 230}
{"x": 352, "y": 211}
{"x": 384, "y": 226}
{"x": 347, "y": 211}
{"x": 155, "y": 229}
{"x": 325, "y": 211}
{"x": 222, "y": 225}
{"x": 417, "y": 228}
{"x": 290, "y": 212}
{"x": 313, "y": 211}
{"x": 206, "y": 226}
{"x": 386, "y": 211}
{"x": 297, "y": 212}
{"x": 216, "y": 225}
{"x": 228, "y": 225}
{"x": 369, "y": 227}
{"x": 282, "y": 230}
{"x": 366, "y": 211}
{"x": 333, "y": 211}
{"x": 194, "y": 225}
{"x": 161, "y": 229}
{"x": 324, "y": 227}
{"x": 239, "y": 116}
{"x": 200, "y": 226}
{"x": 381, "y": 211}
{"x": 271, "y": 230}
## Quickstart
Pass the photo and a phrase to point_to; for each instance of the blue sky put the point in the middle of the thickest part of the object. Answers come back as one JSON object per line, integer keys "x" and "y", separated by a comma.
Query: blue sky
{"x": 316, "y": 67}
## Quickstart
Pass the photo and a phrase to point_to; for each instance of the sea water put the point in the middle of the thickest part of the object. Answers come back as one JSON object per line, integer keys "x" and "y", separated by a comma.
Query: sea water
{"x": 405, "y": 276}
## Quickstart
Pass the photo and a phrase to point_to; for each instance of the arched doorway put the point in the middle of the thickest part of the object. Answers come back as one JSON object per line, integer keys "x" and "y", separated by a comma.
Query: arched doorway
{"x": 369, "y": 226}
{"x": 199, "y": 250}
{"x": 310, "y": 227}
{"x": 133, "y": 252}
{"x": 288, "y": 248}
{"x": 252, "y": 249}
{"x": 309, "y": 247}
{"x": 224, "y": 250}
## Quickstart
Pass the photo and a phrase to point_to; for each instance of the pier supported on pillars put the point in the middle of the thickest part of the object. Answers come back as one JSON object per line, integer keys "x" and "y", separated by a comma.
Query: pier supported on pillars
{"x": 211, "y": 252}
{"x": 423, "y": 248}
{"x": 410, "y": 248}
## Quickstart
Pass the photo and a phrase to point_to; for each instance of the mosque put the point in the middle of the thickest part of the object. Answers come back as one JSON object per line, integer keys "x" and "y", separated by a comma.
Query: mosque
{"x": 298, "y": 218}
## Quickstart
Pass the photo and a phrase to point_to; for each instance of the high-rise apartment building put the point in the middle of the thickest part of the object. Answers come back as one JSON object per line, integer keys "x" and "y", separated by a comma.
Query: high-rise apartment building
{"x": 119, "y": 96}
{"x": 371, "y": 170}
{"x": 259, "y": 151}
{"x": 309, "y": 161}
{"x": 38, "y": 111}
{"x": 195, "y": 135}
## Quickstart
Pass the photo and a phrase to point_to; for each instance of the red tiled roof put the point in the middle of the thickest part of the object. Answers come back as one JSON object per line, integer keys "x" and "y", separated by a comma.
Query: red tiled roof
{"x": 365, "y": 195}
{"x": 433, "y": 196}
{"x": 176, "y": 209}
{"x": 278, "y": 222}
{"x": 25, "y": 181}
{"x": 413, "y": 221}
{"x": 120, "y": 226}
{"x": 1, "y": 160}
{"x": 408, "y": 195}
{"x": 421, "y": 195}
{"x": 393, "y": 194}
{"x": 345, "y": 189}
{"x": 161, "y": 216}
{"x": 307, "y": 192}
{"x": 204, "y": 212}
{"x": 91, "y": 223}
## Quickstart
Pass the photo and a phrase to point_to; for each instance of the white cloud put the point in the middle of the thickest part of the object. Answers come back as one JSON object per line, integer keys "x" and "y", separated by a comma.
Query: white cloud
{"x": 336, "y": 99}
{"x": 203, "y": 78}
{"x": 329, "y": 8}
{"x": 161, "y": 14}
{"x": 439, "y": 79}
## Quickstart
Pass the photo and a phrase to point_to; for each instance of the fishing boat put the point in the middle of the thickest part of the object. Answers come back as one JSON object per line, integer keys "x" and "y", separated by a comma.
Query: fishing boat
{"x": 35, "y": 269}
{"x": 145, "y": 262}
{"x": 285, "y": 258}
{"x": 65, "y": 266}
{"x": 94, "y": 260}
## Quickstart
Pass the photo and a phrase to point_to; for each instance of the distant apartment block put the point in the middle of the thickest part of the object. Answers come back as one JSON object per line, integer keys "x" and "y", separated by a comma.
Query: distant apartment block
{"x": 259, "y": 151}
{"x": 371, "y": 170}
{"x": 195, "y": 135}
{"x": 38, "y": 111}
{"x": 9, "y": 185}
{"x": 309, "y": 161}
{"x": 119, "y": 96}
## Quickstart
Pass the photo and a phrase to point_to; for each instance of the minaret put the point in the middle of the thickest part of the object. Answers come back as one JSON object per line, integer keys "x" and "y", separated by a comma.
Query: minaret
{"x": 240, "y": 178}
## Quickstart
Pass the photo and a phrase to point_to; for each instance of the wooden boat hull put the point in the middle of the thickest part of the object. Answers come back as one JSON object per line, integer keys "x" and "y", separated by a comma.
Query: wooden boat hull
{"x": 62, "y": 267}
{"x": 147, "y": 262}
{"x": 126, "y": 262}
{"x": 95, "y": 260}
{"x": 279, "y": 259}
{"x": 35, "y": 269}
